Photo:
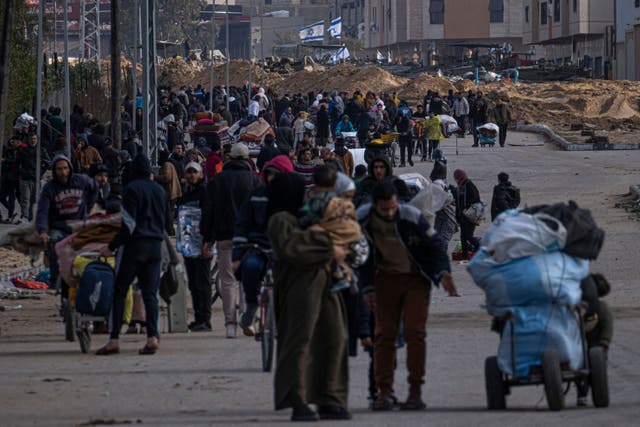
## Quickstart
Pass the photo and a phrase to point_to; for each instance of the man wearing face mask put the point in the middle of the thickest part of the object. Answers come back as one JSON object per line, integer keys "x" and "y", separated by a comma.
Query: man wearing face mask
{"x": 407, "y": 257}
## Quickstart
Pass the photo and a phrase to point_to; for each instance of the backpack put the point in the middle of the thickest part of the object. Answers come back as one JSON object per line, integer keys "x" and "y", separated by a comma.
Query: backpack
{"x": 513, "y": 197}
{"x": 96, "y": 288}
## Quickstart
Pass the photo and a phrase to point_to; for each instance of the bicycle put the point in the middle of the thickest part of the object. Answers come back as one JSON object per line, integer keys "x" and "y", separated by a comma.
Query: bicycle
{"x": 265, "y": 322}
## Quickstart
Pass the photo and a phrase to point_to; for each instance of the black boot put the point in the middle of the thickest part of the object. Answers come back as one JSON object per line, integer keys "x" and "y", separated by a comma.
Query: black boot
{"x": 304, "y": 413}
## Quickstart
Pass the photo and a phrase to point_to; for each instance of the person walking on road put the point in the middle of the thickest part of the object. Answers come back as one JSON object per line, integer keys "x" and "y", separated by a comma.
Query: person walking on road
{"x": 225, "y": 195}
{"x": 195, "y": 196}
{"x": 26, "y": 157}
{"x": 140, "y": 240}
{"x": 480, "y": 114}
{"x": 505, "y": 196}
{"x": 312, "y": 322}
{"x": 466, "y": 195}
{"x": 502, "y": 116}
{"x": 407, "y": 257}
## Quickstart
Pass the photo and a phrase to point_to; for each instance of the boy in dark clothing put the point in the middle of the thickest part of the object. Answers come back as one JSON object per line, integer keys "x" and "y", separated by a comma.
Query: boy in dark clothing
{"x": 505, "y": 196}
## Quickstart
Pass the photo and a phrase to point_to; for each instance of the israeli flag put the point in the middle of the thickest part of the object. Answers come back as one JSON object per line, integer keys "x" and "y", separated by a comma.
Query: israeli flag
{"x": 313, "y": 32}
{"x": 335, "y": 29}
{"x": 341, "y": 55}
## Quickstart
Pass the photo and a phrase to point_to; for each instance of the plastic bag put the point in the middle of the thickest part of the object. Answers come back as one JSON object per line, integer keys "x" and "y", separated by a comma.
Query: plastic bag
{"x": 189, "y": 238}
{"x": 535, "y": 280}
{"x": 476, "y": 213}
{"x": 516, "y": 234}
{"x": 430, "y": 200}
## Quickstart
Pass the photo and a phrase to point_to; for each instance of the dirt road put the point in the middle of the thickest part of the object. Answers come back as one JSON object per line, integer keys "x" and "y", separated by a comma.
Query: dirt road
{"x": 205, "y": 379}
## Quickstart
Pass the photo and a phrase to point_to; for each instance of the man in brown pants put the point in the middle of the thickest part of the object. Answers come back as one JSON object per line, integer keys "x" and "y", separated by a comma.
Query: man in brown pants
{"x": 407, "y": 257}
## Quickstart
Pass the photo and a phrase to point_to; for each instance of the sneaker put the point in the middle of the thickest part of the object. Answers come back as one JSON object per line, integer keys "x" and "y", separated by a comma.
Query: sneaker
{"x": 582, "y": 401}
{"x": 402, "y": 165}
{"x": 332, "y": 412}
{"x": 304, "y": 413}
{"x": 231, "y": 330}
{"x": 411, "y": 163}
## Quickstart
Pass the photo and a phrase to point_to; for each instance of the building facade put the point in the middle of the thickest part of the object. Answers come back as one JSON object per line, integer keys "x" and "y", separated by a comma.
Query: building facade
{"x": 627, "y": 47}
{"x": 422, "y": 28}
{"x": 575, "y": 31}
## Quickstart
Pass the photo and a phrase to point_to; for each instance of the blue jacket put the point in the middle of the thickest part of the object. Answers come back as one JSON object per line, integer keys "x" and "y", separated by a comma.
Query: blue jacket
{"x": 427, "y": 250}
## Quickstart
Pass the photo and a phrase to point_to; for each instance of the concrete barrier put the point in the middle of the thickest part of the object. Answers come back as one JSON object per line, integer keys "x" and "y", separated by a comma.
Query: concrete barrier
{"x": 568, "y": 146}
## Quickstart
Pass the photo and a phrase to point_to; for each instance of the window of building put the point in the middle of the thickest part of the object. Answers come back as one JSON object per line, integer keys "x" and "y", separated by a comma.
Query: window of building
{"x": 544, "y": 12}
{"x": 556, "y": 11}
{"x": 496, "y": 10}
{"x": 436, "y": 12}
{"x": 526, "y": 14}
{"x": 637, "y": 3}
{"x": 575, "y": 5}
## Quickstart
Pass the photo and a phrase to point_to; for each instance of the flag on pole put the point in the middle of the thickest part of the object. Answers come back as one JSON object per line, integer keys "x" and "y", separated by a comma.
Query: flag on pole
{"x": 341, "y": 55}
{"x": 335, "y": 29}
{"x": 313, "y": 32}
{"x": 379, "y": 56}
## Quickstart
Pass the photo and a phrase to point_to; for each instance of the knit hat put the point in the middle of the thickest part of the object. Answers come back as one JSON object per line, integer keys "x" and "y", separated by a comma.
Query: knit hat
{"x": 460, "y": 176}
{"x": 240, "y": 151}
{"x": 503, "y": 177}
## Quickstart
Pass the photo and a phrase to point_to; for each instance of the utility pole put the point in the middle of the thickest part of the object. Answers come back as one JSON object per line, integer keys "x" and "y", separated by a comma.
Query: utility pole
{"x": 134, "y": 69}
{"x": 67, "y": 86}
{"x": 5, "y": 47}
{"x": 116, "y": 133}
{"x": 262, "y": 48}
{"x": 226, "y": 19}
{"x": 213, "y": 55}
{"x": 39, "y": 91}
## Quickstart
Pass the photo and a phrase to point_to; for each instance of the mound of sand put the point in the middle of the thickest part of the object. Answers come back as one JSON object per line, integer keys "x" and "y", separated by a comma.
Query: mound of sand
{"x": 415, "y": 90}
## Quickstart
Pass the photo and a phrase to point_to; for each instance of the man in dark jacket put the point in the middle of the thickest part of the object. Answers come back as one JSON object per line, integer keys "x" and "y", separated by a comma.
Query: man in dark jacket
{"x": 379, "y": 169}
{"x": 406, "y": 144}
{"x": 480, "y": 115}
{"x": 10, "y": 179}
{"x": 225, "y": 194}
{"x": 67, "y": 196}
{"x": 251, "y": 229}
{"x": 505, "y": 196}
{"x": 284, "y": 137}
{"x": 267, "y": 152}
{"x": 195, "y": 196}
{"x": 407, "y": 256}
{"x": 179, "y": 161}
{"x": 502, "y": 116}
{"x": 140, "y": 240}
{"x": 26, "y": 157}
{"x": 467, "y": 194}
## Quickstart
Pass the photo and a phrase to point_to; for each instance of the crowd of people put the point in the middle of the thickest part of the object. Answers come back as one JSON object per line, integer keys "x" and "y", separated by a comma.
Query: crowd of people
{"x": 352, "y": 259}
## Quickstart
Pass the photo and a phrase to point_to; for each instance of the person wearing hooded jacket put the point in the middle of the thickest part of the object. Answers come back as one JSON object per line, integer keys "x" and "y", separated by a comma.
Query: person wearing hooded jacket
{"x": 379, "y": 169}
{"x": 466, "y": 195}
{"x": 344, "y": 125}
{"x": 225, "y": 195}
{"x": 140, "y": 241}
{"x": 251, "y": 228}
{"x": 67, "y": 196}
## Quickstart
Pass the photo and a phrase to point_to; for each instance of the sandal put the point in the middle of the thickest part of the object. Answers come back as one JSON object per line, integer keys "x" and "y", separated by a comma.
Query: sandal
{"x": 382, "y": 403}
{"x": 105, "y": 351}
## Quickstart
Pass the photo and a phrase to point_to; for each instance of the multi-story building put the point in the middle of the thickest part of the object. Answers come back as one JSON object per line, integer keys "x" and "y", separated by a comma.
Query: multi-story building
{"x": 448, "y": 29}
{"x": 627, "y": 48}
{"x": 576, "y": 31}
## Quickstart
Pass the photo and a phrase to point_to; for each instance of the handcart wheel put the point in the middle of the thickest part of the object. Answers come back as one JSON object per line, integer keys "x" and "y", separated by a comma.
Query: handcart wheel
{"x": 494, "y": 383}
{"x": 598, "y": 377}
{"x": 268, "y": 334}
{"x": 84, "y": 338}
{"x": 552, "y": 380}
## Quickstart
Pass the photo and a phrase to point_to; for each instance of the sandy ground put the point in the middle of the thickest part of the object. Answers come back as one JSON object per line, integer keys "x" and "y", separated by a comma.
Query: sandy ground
{"x": 205, "y": 379}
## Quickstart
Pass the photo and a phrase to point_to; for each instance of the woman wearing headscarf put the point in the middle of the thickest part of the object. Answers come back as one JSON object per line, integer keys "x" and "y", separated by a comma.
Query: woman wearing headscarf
{"x": 466, "y": 195}
{"x": 311, "y": 320}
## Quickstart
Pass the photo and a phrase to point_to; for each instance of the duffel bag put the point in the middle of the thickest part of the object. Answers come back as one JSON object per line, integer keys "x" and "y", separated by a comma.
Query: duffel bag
{"x": 95, "y": 292}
